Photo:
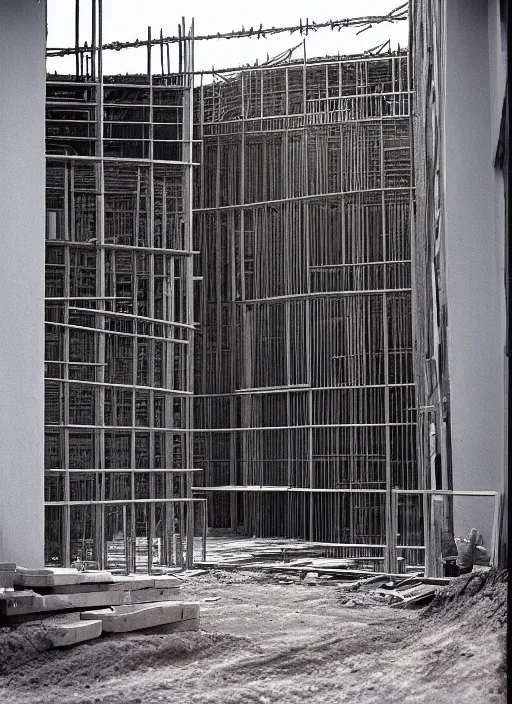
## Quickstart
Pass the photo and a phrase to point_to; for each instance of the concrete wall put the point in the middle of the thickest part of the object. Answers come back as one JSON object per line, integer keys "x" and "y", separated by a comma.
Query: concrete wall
{"x": 474, "y": 265}
{"x": 22, "y": 183}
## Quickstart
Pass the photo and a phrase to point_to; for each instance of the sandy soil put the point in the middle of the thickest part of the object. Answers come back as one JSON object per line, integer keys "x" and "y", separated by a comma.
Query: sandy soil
{"x": 267, "y": 642}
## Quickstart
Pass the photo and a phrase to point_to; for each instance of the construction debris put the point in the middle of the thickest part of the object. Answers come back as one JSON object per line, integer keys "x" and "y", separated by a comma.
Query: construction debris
{"x": 287, "y": 556}
{"x": 397, "y": 593}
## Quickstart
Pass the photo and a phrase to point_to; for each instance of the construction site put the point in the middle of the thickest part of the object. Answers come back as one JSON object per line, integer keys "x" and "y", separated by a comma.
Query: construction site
{"x": 256, "y": 483}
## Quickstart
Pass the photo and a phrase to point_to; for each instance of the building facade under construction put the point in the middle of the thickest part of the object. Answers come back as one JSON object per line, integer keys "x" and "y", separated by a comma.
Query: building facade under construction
{"x": 119, "y": 313}
{"x": 301, "y": 375}
{"x": 234, "y": 335}
{"x": 305, "y": 414}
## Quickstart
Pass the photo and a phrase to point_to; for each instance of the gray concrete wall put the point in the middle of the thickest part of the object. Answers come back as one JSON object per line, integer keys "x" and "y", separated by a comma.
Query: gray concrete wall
{"x": 474, "y": 266}
{"x": 22, "y": 91}
{"x": 498, "y": 73}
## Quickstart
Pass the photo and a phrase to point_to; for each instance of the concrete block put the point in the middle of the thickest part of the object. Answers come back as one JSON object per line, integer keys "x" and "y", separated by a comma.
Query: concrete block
{"x": 6, "y": 579}
{"x": 10, "y": 600}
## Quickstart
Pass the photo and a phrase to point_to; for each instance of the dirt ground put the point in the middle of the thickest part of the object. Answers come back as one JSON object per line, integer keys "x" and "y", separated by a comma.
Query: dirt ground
{"x": 262, "y": 641}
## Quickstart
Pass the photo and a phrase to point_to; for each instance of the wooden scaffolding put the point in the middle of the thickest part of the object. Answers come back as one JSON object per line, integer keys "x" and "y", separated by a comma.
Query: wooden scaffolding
{"x": 279, "y": 359}
{"x": 304, "y": 399}
{"x": 119, "y": 311}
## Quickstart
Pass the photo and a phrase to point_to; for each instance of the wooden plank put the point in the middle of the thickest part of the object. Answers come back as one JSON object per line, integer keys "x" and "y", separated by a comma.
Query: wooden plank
{"x": 143, "y": 596}
{"x": 418, "y": 589}
{"x": 131, "y": 583}
{"x": 188, "y": 574}
{"x": 319, "y": 570}
{"x": 389, "y": 592}
{"x": 62, "y": 602}
{"x": 166, "y": 582}
{"x": 438, "y": 521}
{"x": 422, "y": 595}
{"x": 59, "y": 577}
{"x": 122, "y": 619}
{"x": 63, "y": 634}
{"x": 264, "y": 566}
{"x": 354, "y": 585}
{"x": 135, "y": 582}
{"x": 74, "y": 589}
{"x": 439, "y": 581}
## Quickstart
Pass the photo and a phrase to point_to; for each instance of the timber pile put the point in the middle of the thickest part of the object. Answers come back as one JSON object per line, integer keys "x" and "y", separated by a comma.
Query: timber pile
{"x": 255, "y": 553}
{"x": 284, "y": 555}
{"x": 80, "y": 605}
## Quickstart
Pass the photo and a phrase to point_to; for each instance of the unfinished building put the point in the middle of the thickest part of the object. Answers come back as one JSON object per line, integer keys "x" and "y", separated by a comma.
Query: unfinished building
{"x": 303, "y": 384}
{"x": 231, "y": 314}
{"x": 305, "y": 411}
{"x": 119, "y": 311}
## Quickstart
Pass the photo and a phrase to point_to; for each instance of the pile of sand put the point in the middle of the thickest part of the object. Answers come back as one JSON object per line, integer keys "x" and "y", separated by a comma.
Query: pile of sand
{"x": 477, "y": 600}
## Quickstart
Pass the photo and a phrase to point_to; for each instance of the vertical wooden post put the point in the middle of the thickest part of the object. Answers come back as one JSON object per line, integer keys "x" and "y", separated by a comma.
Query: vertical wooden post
{"x": 66, "y": 526}
{"x": 150, "y": 343}
{"x": 188, "y": 135}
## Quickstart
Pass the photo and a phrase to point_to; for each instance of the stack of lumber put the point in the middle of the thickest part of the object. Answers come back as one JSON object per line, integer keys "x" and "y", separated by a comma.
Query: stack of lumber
{"x": 61, "y": 589}
{"x": 102, "y": 602}
{"x": 77, "y": 628}
{"x": 255, "y": 553}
